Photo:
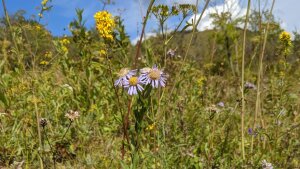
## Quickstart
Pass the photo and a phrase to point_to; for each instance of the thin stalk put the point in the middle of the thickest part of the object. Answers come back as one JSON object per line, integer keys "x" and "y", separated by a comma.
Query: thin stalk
{"x": 142, "y": 34}
{"x": 67, "y": 130}
{"x": 259, "y": 79}
{"x": 37, "y": 114}
{"x": 243, "y": 79}
{"x": 51, "y": 148}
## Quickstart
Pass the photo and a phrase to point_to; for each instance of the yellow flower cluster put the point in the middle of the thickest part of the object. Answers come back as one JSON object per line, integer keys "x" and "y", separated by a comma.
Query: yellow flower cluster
{"x": 18, "y": 89}
{"x": 286, "y": 42}
{"x": 44, "y": 62}
{"x": 48, "y": 54}
{"x": 150, "y": 127}
{"x": 63, "y": 42}
{"x": 200, "y": 82}
{"x": 44, "y": 2}
{"x": 285, "y": 37}
{"x": 102, "y": 53}
{"x": 38, "y": 27}
{"x": 104, "y": 24}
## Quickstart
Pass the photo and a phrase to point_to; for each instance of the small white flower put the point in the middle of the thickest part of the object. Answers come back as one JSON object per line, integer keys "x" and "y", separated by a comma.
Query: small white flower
{"x": 266, "y": 165}
{"x": 72, "y": 115}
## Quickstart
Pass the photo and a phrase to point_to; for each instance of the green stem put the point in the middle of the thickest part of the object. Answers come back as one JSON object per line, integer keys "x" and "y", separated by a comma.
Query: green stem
{"x": 243, "y": 80}
{"x": 67, "y": 130}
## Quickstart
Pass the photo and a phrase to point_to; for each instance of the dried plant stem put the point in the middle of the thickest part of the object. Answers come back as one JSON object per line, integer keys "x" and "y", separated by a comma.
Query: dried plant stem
{"x": 259, "y": 77}
{"x": 67, "y": 130}
{"x": 37, "y": 114}
{"x": 243, "y": 80}
{"x": 138, "y": 49}
{"x": 51, "y": 148}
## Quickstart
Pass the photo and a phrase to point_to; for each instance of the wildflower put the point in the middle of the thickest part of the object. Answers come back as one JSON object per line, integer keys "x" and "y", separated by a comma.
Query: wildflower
{"x": 102, "y": 52}
{"x": 44, "y": 62}
{"x": 123, "y": 75}
{"x": 40, "y": 15}
{"x": 43, "y": 122}
{"x": 65, "y": 41}
{"x": 285, "y": 37}
{"x": 134, "y": 84}
{"x": 154, "y": 76}
{"x": 104, "y": 24}
{"x": 200, "y": 84}
{"x": 266, "y": 165}
{"x": 250, "y": 131}
{"x": 221, "y": 104}
{"x": 150, "y": 127}
{"x": 72, "y": 115}
{"x": 171, "y": 53}
{"x": 286, "y": 42}
{"x": 67, "y": 86}
{"x": 38, "y": 27}
{"x": 48, "y": 54}
{"x": 213, "y": 108}
{"x": 44, "y": 2}
{"x": 249, "y": 85}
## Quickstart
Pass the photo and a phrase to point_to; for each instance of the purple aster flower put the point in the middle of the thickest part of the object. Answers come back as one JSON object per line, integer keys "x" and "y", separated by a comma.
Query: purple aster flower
{"x": 153, "y": 76}
{"x": 249, "y": 85}
{"x": 221, "y": 104}
{"x": 134, "y": 84}
{"x": 171, "y": 53}
{"x": 250, "y": 131}
{"x": 123, "y": 75}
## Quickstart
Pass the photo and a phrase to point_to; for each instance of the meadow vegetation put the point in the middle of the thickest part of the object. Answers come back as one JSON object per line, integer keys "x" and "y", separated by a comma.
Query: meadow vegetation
{"x": 221, "y": 98}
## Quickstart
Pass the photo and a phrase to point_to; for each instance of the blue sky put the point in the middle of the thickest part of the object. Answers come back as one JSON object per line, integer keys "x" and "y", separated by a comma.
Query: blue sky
{"x": 63, "y": 12}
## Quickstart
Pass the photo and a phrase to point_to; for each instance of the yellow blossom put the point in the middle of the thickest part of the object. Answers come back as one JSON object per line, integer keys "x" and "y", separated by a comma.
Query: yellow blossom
{"x": 285, "y": 37}
{"x": 38, "y": 27}
{"x": 44, "y": 2}
{"x": 104, "y": 24}
{"x": 150, "y": 127}
{"x": 64, "y": 49}
{"x": 286, "y": 42}
{"x": 102, "y": 52}
{"x": 281, "y": 74}
{"x": 200, "y": 83}
{"x": 44, "y": 62}
{"x": 48, "y": 54}
{"x": 65, "y": 41}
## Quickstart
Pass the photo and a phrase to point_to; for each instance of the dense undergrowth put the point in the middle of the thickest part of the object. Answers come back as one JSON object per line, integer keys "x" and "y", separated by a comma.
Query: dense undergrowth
{"x": 60, "y": 107}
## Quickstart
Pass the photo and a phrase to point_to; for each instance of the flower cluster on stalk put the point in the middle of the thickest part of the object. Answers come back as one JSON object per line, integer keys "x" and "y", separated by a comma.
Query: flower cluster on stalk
{"x": 105, "y": 24}
{"x": 285, "y": 42}
{"x": 133, "y": 80}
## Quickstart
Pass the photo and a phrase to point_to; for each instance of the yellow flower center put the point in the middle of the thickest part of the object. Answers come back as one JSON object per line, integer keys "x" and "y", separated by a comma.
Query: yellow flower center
{"x": 154, "y": 74}
{"x": 133, "y": 81}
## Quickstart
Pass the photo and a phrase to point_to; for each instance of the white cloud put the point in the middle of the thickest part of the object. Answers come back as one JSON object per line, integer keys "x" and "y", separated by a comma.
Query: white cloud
{"x": 232, "y": 6}
{"x": 147, "y": 36}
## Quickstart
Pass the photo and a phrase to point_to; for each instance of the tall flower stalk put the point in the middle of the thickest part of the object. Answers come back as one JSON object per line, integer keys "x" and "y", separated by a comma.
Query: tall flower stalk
{"x": 259, "y": 77}
{"x": 243, "y": 80}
